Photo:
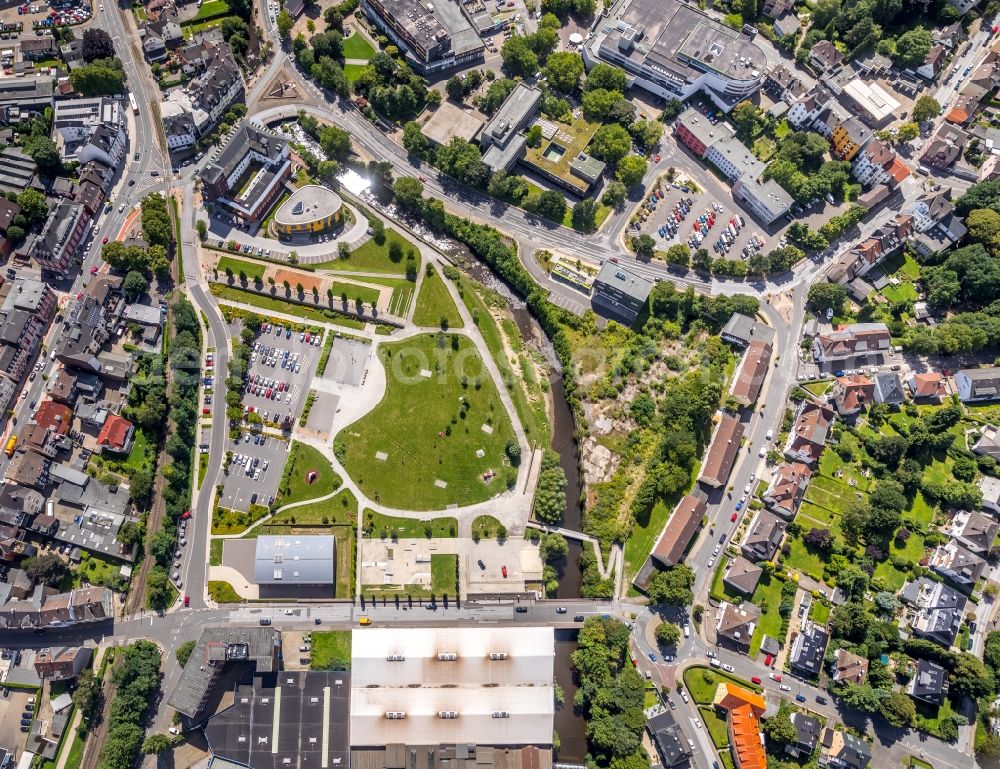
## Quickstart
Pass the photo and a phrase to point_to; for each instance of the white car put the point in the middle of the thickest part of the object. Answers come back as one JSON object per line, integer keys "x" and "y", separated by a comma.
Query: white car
{"x": 746, "y": 489}
{"x": 763, "y": 452}
{"x": 172, "y": 729}
{"x": 711, "y": 562}
{"x": 288, "y": 612}
{"x": 684, "y": 696}
{"x": 697, "y": 723}
{"x": 770, "y": 434}
{"x": 785, "y": 687}
{"x": 729, "y": 668}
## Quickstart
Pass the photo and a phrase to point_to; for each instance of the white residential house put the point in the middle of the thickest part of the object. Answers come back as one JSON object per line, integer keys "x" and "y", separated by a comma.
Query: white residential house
{"x": 990, "y": 487}
{"x": 978, "y": 384}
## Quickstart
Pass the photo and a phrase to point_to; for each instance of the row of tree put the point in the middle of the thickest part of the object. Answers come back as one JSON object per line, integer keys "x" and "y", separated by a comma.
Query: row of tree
{"x": 137, "y": 678}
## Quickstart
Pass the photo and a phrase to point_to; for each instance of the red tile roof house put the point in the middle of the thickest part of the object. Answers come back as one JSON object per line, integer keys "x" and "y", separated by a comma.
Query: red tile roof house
{"x": 931, "y": 387}
{"x": 851, "y": 394}
{"x": 809, "y": 433}
{"x": 787, "y": 488}
{"x": 116, "y": 435}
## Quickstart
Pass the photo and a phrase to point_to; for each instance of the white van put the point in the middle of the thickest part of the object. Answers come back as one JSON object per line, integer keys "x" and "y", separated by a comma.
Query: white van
{"x": 687, "y": 631}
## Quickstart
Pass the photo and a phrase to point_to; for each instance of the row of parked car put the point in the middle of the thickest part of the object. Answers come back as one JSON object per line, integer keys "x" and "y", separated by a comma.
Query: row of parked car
{"x": 677, "y": 215}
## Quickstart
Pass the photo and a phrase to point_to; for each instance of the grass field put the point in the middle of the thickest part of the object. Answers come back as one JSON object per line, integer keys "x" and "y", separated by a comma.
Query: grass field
{"x": 370, "y": 256}
{"x": 331, "y": 650}
{"x": 353, "y": 291}
{"x": 341, "y": 510}
{"x": 353, "y": 71}
{"x": 95, "y": 570}
{"x": 429, "y": 429}
{"x": 487, "y": 527}
{"x": 701, "y": 683}
{"x": 435, "y": 306}
{"x": 233, "y": 521}
{"x": 444, "y": 574}
{"x": 402, "y": 293}
{"x": 274, "y": 304}
{"x": 223, "y": 592}
{"x": 295, "y": 486}
{"x": 819, "y": 612}
{"x": 215, "y": 552}
{"x": 715, "y": 723}
{"x": 378, "y": 525}
{"x": 356, "y": 47}
{"x": 250, "y": 269}
{"x": 211, "y": 9}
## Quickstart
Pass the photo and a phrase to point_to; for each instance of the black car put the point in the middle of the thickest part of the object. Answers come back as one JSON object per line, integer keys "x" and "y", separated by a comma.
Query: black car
{"x": 318, "y": 621}
{"x": 820, "y": 700}
{"x": 521, "y": 609}
{"x": 482, "y": 565}
{"x": 578, "y": 618}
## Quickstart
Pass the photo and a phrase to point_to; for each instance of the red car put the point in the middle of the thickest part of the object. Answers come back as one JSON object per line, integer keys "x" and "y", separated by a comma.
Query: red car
{"x": 185, "y": 515}
{"x": 776, "y": 677}
{"x": 755, "y": 679}
{"x": 187, "y": 600}
{"x": 79, "y": 296}
{"x": 93, "y": 270}
{"x": 105, "y": 240}
{"x": 656, "y": 158}
{"x": 268, "y": 393}
{"x": 503, "y": 570}
{"x": 768, "y": 660}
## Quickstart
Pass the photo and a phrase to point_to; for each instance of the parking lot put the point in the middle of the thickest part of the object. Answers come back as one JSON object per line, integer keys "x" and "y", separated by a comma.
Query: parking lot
{"x": 37, "y": 18}
{"x": 282, "y": 366}
{"x": 12, "y": 706}
{"x": 698, "y": 221}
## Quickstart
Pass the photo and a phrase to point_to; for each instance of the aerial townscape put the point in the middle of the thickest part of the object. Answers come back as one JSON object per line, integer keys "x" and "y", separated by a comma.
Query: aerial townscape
{"x": 500, "y": 384}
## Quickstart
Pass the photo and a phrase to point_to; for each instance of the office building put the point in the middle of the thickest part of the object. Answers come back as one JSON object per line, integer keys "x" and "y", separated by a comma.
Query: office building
{"x": 619, "y": 293}
{"x": 434, "y": 36}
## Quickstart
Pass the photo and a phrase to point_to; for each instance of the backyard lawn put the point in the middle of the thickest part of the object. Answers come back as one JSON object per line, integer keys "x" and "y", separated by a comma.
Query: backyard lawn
{"x": 435, "y": 306}
{"x": 296, "y": 485}
{"x": 438, "y": 436}
{"x": 801, "y": 558}
{"x": 767, "y": 598}
{"x": 371, "y": 256}
{"x": 331, "y": 650}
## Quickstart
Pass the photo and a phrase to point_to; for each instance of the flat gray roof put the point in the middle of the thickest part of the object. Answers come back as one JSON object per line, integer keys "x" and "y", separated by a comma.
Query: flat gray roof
{"x": 449, "y": 121}
{"x": 513, "y": 113}
{"x": 295, "y": 560}
{"x": 628, "y": 283}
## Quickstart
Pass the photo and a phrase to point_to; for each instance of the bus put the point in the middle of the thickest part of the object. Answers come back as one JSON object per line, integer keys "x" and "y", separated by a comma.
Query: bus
{"x": 9, "y": 448}
{"x": 133, "y": 104}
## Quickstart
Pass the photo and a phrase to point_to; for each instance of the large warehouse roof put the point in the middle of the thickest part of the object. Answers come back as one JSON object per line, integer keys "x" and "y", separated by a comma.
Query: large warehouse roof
{"x": 295, "y": 560}
{"x": 503, "y": 715}
{"x": 422, "y": 656}
{"x": 489, "y": 686}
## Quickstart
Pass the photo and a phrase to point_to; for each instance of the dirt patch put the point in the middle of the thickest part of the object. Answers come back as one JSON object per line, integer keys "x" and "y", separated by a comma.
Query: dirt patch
{"x": 293, "y": 277}
{"x": 291, "y": 645}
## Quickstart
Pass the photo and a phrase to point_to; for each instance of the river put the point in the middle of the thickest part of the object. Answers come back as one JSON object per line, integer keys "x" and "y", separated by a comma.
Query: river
{"x": 563, "y": 424}
{"x": 569, "y": 724}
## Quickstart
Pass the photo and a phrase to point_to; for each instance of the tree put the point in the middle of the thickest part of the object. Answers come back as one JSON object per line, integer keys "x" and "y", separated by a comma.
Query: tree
{"x": 912, "y": 47}
{"x": 408, "y": 192}
{"x": 563, "y": 70}
{"x": 550, "y": 495}
{"x": 33, "y": 203}
{"x": 47, "y": 568}
{"x": 779, "y": 728}
{"x": 749, "y": 120}
{"x": 827, "y": 296}
{"x": 329, "y": 74}
{"x": 496, "y": 94}
{"x": 87, "y": 695}
{"x": 96, "y": 44}
{"x": 414, "y": 140}
{"x": 552, "y": 546}
{"x": 614, "y": 194}
{"x": 551, "y": 205}
{"x": 44, "y": 152}
{"x": 672, "y": 587}
{"x": 611, "y": 143}
{"x": 646, "y": 133}
{"x": 455, "y": 88}
{"x": 668, "y": 634}
{"x": 183, "y": 652}
{"x": 925, "y": 109}
{"x": 907, "y": 132}
{"x": 644, "y": 245}
{"x": 898, "y": 709}
{"x": 631, "y": 170}
{"x": 606, "y": 77}
{"x": 103, "y": 77}
{"x": 285, "y": 24}
{"x": 599, "y": 103}
{"x": 518, "y": 58}
{"x": 585, "y": 215}
{"x": 135, "y": 285}
{"x": 156, "y": 743}
{"x": 971, "y": 677}
{"x": 852, "y": 581}
{"x": 202, "y": 228}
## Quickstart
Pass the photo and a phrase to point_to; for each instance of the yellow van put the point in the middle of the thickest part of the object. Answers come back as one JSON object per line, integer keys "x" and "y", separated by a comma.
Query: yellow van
{"x": 365, "y": 621}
